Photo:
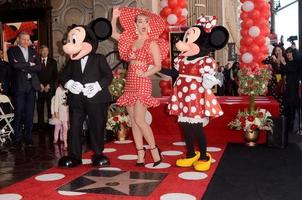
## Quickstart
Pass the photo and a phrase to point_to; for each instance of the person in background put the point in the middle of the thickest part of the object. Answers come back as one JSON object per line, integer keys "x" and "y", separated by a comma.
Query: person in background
{"x": 234, "y": 80}
{"x": 48, "y": 77}
{"x": 276, "y": 86}
{"x": 293, "y": 60}
{"x": 5, "y": 75}
{"x": 220, "y": 76}
{"x": 60, "y": 115}
{"x": 227, "y": 79}
{"x": 25, "y": 82}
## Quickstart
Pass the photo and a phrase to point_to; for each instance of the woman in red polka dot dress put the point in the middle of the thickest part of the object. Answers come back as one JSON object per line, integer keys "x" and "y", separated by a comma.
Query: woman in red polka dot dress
{"x": 139, "y": 44}
{"x": 192, "y": 99}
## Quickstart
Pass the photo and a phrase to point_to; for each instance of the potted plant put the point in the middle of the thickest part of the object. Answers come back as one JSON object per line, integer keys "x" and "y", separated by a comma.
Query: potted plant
{"x": 252, "y": 83}
{"x": 118, "y": 120}
{"x": 251, "y": 123}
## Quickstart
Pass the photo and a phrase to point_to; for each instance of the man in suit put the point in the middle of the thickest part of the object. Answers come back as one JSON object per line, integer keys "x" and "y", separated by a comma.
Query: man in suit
{"x": 48, "y": 78}
{"x": 5, "y": 74}
{"x": 25, "y": 63}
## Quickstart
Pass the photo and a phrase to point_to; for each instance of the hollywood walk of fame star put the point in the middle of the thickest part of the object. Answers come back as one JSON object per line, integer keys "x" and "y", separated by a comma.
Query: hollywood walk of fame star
{"x": 120, "y": 182}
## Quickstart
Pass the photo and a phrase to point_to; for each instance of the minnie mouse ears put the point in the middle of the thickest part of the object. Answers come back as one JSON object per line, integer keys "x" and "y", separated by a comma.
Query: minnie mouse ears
{"x": 101, "y": 27}
{"x": 218, "y": 37}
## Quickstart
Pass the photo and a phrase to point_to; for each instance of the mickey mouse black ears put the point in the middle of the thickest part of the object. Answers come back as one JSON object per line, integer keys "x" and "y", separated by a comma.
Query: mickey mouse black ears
{"x": 218, "y": 37}
{"x": 101, "y": 28}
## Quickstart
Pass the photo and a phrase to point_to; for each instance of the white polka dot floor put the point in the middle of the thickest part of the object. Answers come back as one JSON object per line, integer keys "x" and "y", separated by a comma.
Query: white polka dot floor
{"x": 123, "y": 158}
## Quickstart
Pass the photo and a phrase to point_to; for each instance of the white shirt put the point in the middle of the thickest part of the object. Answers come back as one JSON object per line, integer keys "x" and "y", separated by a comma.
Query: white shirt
{"x": 83, "y": 62}
{"x": 25, "y": 54}
{"x": 45, "y": 60}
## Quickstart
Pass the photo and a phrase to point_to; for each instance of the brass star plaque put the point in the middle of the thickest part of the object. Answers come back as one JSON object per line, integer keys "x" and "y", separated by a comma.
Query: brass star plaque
{"x": 128, "y": 183}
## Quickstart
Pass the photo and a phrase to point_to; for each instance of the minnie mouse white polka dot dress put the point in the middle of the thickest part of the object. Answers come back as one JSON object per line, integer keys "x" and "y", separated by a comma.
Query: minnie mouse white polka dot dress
{"x": 190, "y": 101}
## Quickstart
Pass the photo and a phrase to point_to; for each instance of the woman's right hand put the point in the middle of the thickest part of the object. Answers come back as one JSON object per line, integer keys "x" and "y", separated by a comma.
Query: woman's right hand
{"x": 116, "y": 12}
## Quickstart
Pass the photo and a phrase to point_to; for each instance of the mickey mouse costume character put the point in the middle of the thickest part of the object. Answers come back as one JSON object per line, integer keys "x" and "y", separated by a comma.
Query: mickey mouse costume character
{"x": 86, "y": 77}
{"x": 192, "y": 99}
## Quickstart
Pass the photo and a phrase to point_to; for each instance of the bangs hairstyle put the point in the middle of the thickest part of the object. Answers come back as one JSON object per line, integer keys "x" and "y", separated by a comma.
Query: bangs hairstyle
{"x": 141, "y": 15}
{"x": 289, "y": 50}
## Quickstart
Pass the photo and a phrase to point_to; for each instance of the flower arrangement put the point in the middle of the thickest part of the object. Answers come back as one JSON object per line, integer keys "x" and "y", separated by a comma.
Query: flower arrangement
{"x": 117, "y": 118}
{"x": 259, "y": 119}
{"x": 116, "y": 88}
{"x": 253, "y": 83}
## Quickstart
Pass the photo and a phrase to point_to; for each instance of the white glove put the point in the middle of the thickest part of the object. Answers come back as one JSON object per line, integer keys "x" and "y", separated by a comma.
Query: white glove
{"x": 74, "y": 87}
{"x": 91, "y": 89}
{"x": 209, "y": 81}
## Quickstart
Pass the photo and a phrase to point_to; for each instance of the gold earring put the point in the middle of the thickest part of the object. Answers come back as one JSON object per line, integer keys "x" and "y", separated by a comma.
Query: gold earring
{"x": 136, "y": 31}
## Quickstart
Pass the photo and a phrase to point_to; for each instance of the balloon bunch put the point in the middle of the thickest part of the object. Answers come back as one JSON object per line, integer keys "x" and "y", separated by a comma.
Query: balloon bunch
{"x": 255, "y": 30}
{"x": 175, "y": 13}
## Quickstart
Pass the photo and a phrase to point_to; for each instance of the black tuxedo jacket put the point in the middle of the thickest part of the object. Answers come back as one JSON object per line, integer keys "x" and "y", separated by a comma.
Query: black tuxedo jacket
{"x": 49, "y": 74}
{"x": 21, "y": 69}
{"x": 96, "y": 69}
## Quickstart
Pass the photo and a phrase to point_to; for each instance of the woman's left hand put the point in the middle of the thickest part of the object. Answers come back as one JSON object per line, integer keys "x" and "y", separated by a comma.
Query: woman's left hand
{"x": 140, "y": 73}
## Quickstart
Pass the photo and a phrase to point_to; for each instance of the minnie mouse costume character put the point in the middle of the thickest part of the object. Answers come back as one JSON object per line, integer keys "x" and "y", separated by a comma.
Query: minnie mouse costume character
{"x": 192, "y": 99}
{"x": 87, "y": 76}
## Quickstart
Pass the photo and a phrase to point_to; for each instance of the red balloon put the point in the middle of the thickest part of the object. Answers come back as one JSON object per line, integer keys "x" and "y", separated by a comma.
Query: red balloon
{"x": 265, "y": 31}
{"x": 177, "y": 11}
{"x": 243, "y": 49}
{"x": 244, "y": 32}
{"x": 254, "y": 48}
{"x": 172, "y": 3}
{"x": 247, "y": 23}
{"x": 255, "y": 14}
{"x": 260, "y": 40}
{"x": 265, "y": 13}
{"x": 165, "y": 12}
{"x": 182, "y": 3}
{"x": 243, "y": 15}
{"x": 166, "y": 92}
{"x": 164, "y": 83}
{"x": 182, "y": 20}
{"x": 248, "y": 40}
{"x": 165, "y": 36}
{"x": 166, "y": 63}
{"x": 262, "y": 23}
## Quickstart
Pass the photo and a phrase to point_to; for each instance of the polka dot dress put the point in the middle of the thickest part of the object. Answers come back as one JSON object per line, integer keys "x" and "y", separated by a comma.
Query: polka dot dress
{"x": 139, "y": 88}
{"x": 190, "y": 100}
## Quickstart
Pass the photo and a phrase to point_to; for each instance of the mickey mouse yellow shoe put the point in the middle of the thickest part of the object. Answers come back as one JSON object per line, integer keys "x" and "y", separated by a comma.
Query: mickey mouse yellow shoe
{"x": 188, "y": 162}
{"x": 200, "y": 165}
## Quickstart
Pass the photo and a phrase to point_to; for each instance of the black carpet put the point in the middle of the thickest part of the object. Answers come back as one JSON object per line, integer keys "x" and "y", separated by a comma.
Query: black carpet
{"x": 258, "y": 173}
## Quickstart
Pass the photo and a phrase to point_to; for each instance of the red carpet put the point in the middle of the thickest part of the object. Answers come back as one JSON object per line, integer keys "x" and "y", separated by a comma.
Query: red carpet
{"x": 166, "y": 133}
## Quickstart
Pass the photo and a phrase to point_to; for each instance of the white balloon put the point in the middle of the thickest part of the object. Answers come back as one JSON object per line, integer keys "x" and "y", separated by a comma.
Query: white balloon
{"x": 254, "y": 31}
{"x": 163, "y": 3}
{"x": 247, "y": 57}
{"x": 148, "y": 117}
{"x": 184, "y": 12}
{"x": 172, "y": 19}
{"x": 248, "y": 6}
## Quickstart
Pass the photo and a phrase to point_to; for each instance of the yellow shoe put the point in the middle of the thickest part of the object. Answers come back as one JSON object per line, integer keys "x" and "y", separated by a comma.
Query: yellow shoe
{"x": 188, "y": 162}
{"x": 203, "y": 165}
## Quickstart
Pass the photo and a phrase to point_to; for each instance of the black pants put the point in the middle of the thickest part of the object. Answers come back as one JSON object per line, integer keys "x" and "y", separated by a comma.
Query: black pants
{"x": 24, "y": 103}
{"x": 42, "y": 99}
{"x": 97, "y": 118}
{"x": 192, "y": 131}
